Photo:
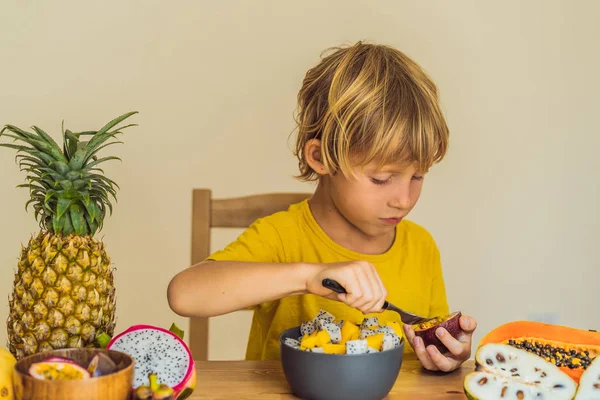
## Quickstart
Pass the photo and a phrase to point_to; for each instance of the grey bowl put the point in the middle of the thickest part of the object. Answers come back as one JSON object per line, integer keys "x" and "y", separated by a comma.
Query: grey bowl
{"x": 319, "y": 376}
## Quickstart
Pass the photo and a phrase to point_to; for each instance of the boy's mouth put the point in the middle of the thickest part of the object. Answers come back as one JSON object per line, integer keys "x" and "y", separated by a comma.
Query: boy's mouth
{"x": 392, "y": 221}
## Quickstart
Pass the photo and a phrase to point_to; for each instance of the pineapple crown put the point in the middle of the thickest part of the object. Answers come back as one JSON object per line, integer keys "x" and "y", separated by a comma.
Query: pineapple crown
{"x": 68, "y": 191}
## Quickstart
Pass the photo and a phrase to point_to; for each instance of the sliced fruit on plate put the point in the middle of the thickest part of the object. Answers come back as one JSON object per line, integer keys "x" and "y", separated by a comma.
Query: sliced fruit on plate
{"x": 505, "y": 372}
{"x": 570, "y": 349}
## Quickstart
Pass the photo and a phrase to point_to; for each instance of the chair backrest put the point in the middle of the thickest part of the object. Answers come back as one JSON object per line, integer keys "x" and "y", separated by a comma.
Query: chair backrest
{"x": 237, "y": 212}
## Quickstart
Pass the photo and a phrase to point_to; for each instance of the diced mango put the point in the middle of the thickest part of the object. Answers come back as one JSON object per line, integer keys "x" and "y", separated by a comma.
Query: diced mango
{"x": 309, "y": 341}
{"x": 376, "y": 341}
{"x": 395, "y": 326}
{"x": 323, "y": 338}
{"x": 349, "y": 332}
{"x": 331, "y": 348}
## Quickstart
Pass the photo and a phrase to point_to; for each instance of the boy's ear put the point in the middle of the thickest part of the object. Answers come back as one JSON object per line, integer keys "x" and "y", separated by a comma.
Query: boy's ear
{"x": 312, "y": 154}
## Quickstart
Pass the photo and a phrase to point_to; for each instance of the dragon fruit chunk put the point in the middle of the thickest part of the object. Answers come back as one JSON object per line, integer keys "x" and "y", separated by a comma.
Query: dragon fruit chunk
{"x": 390, "y": 342}
{"x": 324, "y": 315}
{"x": 307, "y": 328}
{"x": 317, "y": 350}
{"x": 370, "y": 323}
{"x": 386, "y": 329}
{"x": 357, "y": 346}
{"x": 293, "y": 343}
{"x": 159, "y": 351}
{"x": 372, "y": 350}
{"x": 335, "y": 333}
{"x": 365, "y": 333}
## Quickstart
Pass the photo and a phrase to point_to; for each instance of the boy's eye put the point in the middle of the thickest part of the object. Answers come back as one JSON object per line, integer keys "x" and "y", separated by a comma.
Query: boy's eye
{"x": 380, "y": 181}
{"x": 418, "y": 177}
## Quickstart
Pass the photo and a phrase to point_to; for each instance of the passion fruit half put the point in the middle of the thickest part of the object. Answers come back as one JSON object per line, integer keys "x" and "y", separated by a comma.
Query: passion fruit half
{"x": 426, "y": 330}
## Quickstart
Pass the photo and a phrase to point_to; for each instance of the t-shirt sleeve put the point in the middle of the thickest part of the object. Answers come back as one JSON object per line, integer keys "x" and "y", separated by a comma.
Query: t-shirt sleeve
{"x": 260, "y": 242}
{"x": 438, "y": 303}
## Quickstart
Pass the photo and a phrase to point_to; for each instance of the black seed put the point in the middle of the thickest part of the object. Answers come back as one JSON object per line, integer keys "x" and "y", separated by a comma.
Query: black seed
{"x": 489, "y": 361}
{"x": 559, "y": 386}
{"x": 483, "y": 381}
{"x": 500, "y": 357}
{"x": 513, "y": 370}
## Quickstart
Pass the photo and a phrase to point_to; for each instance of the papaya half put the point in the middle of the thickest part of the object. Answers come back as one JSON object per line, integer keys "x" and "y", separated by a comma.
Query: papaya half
{"x": 570, "y": 349}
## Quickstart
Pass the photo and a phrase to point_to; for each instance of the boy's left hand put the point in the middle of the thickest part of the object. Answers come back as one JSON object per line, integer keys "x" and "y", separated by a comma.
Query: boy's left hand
{"x": 459, "y": 348}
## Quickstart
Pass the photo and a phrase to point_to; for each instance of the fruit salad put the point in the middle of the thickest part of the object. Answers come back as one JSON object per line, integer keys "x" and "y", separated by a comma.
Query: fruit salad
{"x": 323, "y": 334}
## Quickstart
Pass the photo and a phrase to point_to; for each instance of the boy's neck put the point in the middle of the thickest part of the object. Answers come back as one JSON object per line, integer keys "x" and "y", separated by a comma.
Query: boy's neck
{"x": 341, "y": 230}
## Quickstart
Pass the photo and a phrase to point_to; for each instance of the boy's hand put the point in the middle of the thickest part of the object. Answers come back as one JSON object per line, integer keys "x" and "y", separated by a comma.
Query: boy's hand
{"x": 459, "y": 348}
{"x": 365, "y": 290}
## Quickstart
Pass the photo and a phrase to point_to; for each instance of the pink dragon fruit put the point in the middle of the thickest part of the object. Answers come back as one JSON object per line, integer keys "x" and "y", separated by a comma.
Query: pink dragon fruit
{"x": 159, "y": 351}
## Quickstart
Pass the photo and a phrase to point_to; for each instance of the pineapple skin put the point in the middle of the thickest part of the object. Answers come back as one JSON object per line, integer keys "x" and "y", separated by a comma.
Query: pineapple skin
{"x": 63, "y": 294}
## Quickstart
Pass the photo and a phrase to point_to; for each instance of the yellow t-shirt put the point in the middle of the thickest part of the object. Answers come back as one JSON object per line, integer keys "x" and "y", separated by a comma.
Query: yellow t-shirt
{"x": 410, "y": 270}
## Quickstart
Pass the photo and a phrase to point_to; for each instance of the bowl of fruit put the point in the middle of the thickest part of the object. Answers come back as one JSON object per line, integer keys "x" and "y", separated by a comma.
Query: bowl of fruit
{"x": 74, "y": 373}
{"x": 328, "y": 359}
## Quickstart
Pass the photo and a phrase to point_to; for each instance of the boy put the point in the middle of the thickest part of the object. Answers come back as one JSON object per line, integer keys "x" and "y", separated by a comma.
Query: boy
{"x": 369, "y": 128}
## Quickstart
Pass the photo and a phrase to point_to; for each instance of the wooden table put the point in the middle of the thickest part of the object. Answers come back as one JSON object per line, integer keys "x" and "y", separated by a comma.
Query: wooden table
{"x": 264, "y": 380}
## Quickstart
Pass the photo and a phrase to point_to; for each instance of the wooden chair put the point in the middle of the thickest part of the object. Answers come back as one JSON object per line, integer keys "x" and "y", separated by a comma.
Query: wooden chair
{"x": 237, "y": 212}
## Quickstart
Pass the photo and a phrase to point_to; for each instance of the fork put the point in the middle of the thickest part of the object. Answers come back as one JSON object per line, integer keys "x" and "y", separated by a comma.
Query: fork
{"x": 405, "y": 316}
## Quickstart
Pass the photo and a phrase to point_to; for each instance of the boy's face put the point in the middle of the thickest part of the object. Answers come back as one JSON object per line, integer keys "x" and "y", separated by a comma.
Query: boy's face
{"x": 376, "y": 199}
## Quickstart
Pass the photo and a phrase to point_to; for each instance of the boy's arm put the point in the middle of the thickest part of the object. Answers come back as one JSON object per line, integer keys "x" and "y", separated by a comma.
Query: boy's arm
{"x": 213, "y": 288}
{"x": 254, "y": 270}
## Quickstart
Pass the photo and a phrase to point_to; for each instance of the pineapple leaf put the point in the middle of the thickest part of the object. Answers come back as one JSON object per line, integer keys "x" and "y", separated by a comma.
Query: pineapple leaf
{"x": 82, "y": 155}
{"x": 71, "y": 140}
{"x": 44, "y": 182}
{"x": 37, "y": 161}
{"x": 91, "y": 154}
{"x": 29, "y": 150}
{"x": 53, "y": 146}
{"x": 115, "y": 121}
{"x": 101, "y": 178}
{"x": 91, "y": 208}
{"x": 57, "y": 224}
{"x": 77, "y": 219}
{"x": 89, "y": 166}
{"x": 66, "y": 184}
{"x": 61, "y": 167}
{"x": 49, "y": 194}
{"x": 67, "y": 228}
{"x": 93, "y": 225}
{"x": 63, "y": 206}
{"x": 79, "y": 184}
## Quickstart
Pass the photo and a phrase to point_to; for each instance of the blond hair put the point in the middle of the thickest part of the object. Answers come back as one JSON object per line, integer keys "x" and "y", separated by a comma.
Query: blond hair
{"x": 369, "y": 103}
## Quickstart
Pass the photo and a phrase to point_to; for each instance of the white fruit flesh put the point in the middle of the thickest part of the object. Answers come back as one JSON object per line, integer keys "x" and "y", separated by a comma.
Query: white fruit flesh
{"x": 589, "y": 383}
{"x": 510, "y": 373}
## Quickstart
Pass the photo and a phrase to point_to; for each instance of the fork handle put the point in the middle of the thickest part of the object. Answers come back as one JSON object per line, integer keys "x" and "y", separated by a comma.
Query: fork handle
{"x": 336, "y": 287}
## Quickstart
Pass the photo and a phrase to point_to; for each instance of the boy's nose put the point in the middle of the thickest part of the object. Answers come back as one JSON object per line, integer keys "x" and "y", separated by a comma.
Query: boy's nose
{"x": 401, "y": 200}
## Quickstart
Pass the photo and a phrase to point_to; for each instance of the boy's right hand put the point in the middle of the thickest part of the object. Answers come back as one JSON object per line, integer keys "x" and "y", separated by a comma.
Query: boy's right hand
{"x": 365, "y": 290}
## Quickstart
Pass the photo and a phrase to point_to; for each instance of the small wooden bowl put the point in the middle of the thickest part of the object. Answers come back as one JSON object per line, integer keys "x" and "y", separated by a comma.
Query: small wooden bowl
{"x": 115, "y": 386}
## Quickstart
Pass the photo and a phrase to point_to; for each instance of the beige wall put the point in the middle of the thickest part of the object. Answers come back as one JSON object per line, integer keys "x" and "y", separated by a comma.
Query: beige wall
{"x": 514, "y": 207}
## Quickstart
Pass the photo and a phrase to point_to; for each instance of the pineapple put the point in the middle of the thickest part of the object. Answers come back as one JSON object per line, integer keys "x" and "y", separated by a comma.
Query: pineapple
{"x": 63, "y": 293}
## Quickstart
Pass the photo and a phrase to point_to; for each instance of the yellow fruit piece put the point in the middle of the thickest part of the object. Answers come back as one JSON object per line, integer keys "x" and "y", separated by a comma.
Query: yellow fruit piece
{"x": 349, "y": 332}
{"x": 396, "y": 327}
{"x": 309, "y": 342}
{"x": 7, "y": 362}
{"x": 331, "y": 348}
{"x": 375, "y": 341}
{"x": 323, "y": 338}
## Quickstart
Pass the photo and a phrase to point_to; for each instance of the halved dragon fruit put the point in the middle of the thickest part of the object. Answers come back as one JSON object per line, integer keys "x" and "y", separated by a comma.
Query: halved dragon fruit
{"x": 159, "y": 351}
